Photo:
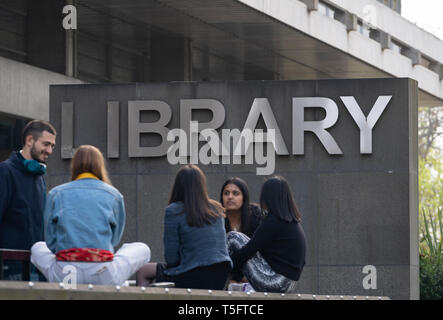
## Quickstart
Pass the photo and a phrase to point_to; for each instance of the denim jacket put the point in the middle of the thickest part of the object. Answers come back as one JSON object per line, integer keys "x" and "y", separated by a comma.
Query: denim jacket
{"x": 85, "y": 213}
{"x": 187, "y": 247}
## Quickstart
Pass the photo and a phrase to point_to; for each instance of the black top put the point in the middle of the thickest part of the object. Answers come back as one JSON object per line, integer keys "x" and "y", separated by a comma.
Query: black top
{"x": 282, "y": 244}
{"x": 249, "y": 223}
{"x": 22, "y": 200}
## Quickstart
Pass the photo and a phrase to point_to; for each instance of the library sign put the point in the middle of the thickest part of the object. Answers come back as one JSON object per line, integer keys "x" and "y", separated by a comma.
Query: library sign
{"x": 348, "y": 148}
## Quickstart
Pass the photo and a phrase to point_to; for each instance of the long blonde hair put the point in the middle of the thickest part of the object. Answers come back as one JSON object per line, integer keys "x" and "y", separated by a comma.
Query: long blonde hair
{"x": 88, "y": 158}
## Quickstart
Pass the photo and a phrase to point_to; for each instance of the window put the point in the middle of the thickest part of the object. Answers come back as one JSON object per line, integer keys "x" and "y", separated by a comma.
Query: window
{"x": 397, "y": 47}
{"x": 425, "y": 62}
{"x": 10, "y": 135}
{"x": 326, "y": 10}
{"x": 363, "y": 29}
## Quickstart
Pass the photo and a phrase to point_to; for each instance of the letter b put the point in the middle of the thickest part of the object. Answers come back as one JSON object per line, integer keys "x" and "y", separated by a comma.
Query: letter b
{"x": 135, "y": 128}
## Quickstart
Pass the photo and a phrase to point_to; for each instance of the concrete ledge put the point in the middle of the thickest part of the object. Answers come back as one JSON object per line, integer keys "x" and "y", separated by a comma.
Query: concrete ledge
{"x": 25, "y": 89}
{"x": 20, "y": 290}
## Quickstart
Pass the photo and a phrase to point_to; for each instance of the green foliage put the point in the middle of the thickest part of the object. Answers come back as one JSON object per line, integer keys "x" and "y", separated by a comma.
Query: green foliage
{"x": 431, "y": 264}
{"x": 431, "y": 279}
{"x": 431, "y": 182}
{"x": 430, "y": 132}
{"x": 431, "y": 232}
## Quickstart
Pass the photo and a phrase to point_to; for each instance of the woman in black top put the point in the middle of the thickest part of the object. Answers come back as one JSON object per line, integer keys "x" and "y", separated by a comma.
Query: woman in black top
{"x": 273, "y": 259}
{"x": 241, "y": 215}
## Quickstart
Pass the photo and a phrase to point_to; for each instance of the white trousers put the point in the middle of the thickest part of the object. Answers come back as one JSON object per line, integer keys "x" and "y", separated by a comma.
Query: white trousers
{"x": 126, "y": 262}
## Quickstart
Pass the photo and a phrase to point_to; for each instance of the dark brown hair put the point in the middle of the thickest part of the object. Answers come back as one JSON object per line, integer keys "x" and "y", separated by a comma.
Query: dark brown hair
{"x": 35, "y": 128}
{"x": 190, "y": 188}
{"x": 247, "y": 209}
{"x": 89, "y": 159}
{"x": 276, "y": 197}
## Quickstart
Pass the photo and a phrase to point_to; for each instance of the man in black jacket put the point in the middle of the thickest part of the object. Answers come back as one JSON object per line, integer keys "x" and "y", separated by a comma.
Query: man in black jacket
{"x": 23, "y": 192}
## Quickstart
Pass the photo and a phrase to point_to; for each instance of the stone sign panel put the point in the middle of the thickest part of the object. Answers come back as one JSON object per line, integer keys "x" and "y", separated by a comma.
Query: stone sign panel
{"x": 347, "y": 147}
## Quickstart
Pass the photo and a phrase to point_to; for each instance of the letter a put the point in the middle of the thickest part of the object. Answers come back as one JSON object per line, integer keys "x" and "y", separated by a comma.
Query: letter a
{"x": 370, "y": 281}
{"x": 70, "y": 281}
{"x": 70, "y": 21}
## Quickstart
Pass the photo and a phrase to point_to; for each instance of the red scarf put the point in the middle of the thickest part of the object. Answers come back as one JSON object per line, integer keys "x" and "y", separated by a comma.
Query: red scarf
{"x": 84, "y": 255}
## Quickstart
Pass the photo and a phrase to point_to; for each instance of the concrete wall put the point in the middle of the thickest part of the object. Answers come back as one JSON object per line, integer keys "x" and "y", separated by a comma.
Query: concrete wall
{"x": 358, "y": 210}
{"x": 24, "y": 89}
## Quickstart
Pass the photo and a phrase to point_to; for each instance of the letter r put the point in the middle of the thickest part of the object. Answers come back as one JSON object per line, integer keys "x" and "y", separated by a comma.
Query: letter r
{"x": 299, "y": 125}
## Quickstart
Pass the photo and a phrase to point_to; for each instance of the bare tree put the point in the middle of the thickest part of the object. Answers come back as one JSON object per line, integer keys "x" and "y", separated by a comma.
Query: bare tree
{"x": 430, "y": 129}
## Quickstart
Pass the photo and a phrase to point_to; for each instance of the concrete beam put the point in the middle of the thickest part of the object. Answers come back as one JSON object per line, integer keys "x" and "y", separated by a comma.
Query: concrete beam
{"x": 348, "y": 19}
{"x": 437, "y": 68}
{"x": 413, "y": 54}
{"x": 312, "y": 5}
{"x": 383, "y": 38}
{"x": 25, "y": 89}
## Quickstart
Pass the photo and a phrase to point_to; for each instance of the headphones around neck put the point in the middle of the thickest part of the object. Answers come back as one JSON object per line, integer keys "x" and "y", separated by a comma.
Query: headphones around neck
{"x": 34, "y": 167}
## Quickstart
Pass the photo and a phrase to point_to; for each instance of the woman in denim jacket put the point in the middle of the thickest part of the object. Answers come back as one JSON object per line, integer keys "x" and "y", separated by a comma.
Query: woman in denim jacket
{"x": 84, "y": 220}
{"x": 194, "y": 238}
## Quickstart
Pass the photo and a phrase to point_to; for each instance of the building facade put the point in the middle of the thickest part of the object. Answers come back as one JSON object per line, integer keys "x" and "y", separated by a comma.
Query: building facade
{"x": 393, "y": 4}
{"x": 55, "y": 42}
{"x": 143, "y": 41}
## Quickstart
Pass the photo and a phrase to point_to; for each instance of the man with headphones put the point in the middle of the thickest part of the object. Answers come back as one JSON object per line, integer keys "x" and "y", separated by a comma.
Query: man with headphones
{"x": 23, "y": 192}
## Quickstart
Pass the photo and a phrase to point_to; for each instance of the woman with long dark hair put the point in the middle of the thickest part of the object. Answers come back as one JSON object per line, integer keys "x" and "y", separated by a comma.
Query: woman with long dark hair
{"x": 194, "y": 238}
{"x": 273, "y": 259}
{"x": 84, "y": 221}
{"x": 241, "y": 215}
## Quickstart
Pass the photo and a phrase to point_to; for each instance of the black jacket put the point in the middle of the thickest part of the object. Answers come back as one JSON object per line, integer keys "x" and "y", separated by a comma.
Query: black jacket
{"x": 249, "y": 223}
{"x": 282, "y": 244}
{"x": 22, "y": 201}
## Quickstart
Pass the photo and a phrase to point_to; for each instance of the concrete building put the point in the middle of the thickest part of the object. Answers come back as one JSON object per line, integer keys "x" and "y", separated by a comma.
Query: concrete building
{"x": 195, "y": 40}
{"x": 393, "y": 4}
{"x": 46, "y": 42}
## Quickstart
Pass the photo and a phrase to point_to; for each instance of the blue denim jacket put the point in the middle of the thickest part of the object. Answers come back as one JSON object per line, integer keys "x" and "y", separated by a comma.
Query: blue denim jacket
{"x": 85, "y": 213}
{"x": 187, "y": 247}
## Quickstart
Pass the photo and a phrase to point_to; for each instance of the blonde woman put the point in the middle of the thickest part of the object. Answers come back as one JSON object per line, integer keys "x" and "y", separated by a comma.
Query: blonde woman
{"x": 84, "y": 220}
